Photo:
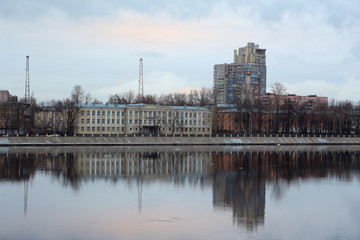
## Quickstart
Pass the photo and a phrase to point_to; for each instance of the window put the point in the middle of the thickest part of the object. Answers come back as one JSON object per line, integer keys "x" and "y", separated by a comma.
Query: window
{"x": 93, "y": 128}
{"x": 82, "y": 129}
{"x": 82, "y": 120}
{"x": 98, "y": 121}
{"x": 88, "y": 128}
{"x": 103, "y": 113}
{"x": 82, "y": 113}
{"x": 93, "y": 112}
{"x": 88, "y": 113}
{"x": 88, "y": 121}
{"x": 190, "y": 114}
{"x": 103, "y": 121}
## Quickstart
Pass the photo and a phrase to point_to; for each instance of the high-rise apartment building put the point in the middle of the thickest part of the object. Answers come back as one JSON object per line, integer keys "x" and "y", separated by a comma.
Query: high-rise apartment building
{"x": 246, "y": 73}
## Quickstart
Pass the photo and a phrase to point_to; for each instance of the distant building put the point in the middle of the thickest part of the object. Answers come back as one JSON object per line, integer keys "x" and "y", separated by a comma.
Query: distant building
{"x": 310, "y": 102}
{"x": 5, "y": 96}
{"x": 248, "y": 70}
{"x": 15, "y": 118}
{"x": 116, "y": 119}
{"x": 47, "y": 120}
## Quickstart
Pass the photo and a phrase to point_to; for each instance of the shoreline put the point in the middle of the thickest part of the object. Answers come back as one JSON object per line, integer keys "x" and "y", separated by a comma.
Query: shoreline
{"x": 175, "y": 141}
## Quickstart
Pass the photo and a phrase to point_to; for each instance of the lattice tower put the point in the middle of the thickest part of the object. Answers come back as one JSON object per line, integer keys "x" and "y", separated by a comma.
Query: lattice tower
{"x": 141, "y": 79}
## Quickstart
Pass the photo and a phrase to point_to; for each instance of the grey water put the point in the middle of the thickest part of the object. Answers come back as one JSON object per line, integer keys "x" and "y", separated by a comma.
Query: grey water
{"x": 277, "y": 192}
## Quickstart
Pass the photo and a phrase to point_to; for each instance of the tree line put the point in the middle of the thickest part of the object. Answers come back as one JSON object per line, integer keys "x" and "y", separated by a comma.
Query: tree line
{"x": 253, "y": 115}
{"x": 337, "y": 117}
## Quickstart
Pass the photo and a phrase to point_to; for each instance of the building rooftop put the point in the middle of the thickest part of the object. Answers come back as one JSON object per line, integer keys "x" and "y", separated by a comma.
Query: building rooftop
{"x": 88, "y": 105}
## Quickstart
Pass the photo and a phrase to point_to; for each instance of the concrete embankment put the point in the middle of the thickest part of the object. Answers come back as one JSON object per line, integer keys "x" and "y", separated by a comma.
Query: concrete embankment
{"x": 171, "y": 141}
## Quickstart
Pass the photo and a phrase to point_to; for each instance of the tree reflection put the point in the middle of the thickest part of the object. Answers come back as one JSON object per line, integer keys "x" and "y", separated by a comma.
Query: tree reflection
{"x": 238, "y": 178}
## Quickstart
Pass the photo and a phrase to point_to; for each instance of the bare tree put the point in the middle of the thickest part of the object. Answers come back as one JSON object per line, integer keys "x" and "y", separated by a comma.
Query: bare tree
{"x": 70, "y": 111}
{"x": 167, "y": 99}
{"x": 205, "y": 96}
{"x": 193, "y": 98}
{"x": 278, "y": 90}
{"x": 180, "y": 99}
{"x": 96, "y": 101}
{"x": 77, "y": 95}
{"x": 88, "y": 98}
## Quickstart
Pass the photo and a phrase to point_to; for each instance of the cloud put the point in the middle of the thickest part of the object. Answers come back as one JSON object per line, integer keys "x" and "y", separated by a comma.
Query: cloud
{"x": 306, "y": 43}
{"x": 346, "y": 90}
{"x": 154, "y": 83}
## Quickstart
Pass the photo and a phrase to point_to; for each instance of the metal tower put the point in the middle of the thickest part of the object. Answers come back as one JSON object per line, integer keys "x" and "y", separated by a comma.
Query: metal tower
{"x": 141, "y": 80}
{"x": 27, "y": 83}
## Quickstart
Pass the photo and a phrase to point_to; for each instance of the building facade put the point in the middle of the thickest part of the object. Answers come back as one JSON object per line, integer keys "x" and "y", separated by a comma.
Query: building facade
{"x": 247, "y": 72}
{"x": 5, "y": 96}
{"x": 49, "y": 121}
{"x": 113, "y": 119}
{"x": 310, "y": 102}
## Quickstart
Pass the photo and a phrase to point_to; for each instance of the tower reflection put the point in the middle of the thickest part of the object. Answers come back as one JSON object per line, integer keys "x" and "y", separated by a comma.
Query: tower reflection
{"x": 239, "y": 178}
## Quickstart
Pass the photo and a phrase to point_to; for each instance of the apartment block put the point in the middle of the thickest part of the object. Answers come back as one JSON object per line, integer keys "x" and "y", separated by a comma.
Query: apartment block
{"x": 247, "y": 71}
{"x": 310, "y": 102}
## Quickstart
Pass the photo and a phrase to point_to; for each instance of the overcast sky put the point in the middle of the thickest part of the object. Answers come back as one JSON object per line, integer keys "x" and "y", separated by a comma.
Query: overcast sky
{"x": 312, "y": 46}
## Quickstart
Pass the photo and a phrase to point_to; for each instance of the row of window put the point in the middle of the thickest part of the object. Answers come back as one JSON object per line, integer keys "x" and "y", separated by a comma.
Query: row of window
{"x": 117, "y": 129}
{"x": 141, "y": 113}
{"x": 177, "y": 122}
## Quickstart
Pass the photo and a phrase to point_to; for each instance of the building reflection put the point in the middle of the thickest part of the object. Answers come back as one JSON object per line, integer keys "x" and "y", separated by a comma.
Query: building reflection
{"x": 239, "y": 179}
{"x": 239, "y": 184}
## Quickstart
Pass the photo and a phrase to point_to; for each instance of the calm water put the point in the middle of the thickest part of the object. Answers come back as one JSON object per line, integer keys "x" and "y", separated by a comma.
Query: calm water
{"x": 180, "y": 193}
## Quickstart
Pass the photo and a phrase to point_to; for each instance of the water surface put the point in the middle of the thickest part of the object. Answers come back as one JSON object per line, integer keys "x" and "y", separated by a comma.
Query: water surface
{"x": 180, "y": 193}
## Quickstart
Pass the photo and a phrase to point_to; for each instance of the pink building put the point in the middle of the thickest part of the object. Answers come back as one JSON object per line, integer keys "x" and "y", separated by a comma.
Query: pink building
{"x": 306, "y": 102}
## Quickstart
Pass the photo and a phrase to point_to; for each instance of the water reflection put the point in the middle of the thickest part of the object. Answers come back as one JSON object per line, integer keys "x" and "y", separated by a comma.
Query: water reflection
{"x": 238, "y": 177}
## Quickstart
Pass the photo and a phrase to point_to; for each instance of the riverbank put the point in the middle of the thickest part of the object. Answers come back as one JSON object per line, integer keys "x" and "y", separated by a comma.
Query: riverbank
{"x": 173, "y": 141}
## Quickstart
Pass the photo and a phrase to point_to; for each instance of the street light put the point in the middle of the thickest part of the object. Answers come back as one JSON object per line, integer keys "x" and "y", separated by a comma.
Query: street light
{"x": 297, "y": 123}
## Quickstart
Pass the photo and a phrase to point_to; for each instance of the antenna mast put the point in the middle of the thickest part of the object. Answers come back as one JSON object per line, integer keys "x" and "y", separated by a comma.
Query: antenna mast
{"x": 141, "y": 79}
{"x": 27, "y": 83}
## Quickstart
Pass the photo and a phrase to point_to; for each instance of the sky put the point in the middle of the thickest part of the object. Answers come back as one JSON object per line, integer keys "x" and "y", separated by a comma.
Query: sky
{"x": 312, "y": 47}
